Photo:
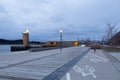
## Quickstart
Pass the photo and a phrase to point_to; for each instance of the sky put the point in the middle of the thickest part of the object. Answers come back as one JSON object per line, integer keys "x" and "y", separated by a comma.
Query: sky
{"x": 45, "y": 18}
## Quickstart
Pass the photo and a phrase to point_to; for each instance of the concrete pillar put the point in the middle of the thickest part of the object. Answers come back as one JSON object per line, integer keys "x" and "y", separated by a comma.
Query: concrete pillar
{"x": 26, "y": 38}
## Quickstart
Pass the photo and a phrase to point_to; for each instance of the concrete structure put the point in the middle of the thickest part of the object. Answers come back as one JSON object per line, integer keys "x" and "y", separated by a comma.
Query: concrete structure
{"x": 26, "y": 38}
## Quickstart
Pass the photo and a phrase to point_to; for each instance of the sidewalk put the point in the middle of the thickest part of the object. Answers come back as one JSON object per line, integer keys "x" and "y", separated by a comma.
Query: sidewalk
{"x": 36, "y": 65}
{"x": 115, "y": 54}
{"x": 94, "y": 66}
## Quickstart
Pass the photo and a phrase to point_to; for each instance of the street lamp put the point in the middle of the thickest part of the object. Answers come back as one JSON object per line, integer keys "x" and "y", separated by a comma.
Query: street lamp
{"x": 61, "y": 40}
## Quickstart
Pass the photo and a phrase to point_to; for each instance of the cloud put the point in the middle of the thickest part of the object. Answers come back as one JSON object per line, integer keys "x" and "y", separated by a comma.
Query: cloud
{"x": 44, "y": 18}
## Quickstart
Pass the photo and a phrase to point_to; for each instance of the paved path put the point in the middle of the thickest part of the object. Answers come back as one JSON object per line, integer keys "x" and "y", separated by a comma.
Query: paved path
{"x": 115, "y": 54}
{"x": 114, "y": 60}
{"x": 94, "y": 66}
{"x": 35, "y": 65}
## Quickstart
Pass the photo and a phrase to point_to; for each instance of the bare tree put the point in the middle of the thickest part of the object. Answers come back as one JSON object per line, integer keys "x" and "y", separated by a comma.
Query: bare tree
{"x": 103, "y": 39}
{"x": 87, "y": 41}
{"x": 110, "y": 31}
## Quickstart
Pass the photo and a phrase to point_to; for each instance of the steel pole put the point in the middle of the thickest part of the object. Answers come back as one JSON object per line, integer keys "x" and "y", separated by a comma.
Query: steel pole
{"x": 60, "y": 41}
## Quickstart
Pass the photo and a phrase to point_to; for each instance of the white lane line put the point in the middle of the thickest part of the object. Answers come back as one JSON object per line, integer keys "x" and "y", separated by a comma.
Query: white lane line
{"x": 68, "y": 76}
{"x": 99, "y": 57}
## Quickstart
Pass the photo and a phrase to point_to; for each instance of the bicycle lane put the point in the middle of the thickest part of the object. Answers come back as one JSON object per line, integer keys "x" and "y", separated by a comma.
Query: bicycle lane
{"x": 93, "y": 66}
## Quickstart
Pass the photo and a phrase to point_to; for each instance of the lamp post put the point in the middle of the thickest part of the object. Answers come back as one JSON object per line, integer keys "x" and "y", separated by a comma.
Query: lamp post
{"x": 61, "y": 40}
{"x": 78, "y": 42}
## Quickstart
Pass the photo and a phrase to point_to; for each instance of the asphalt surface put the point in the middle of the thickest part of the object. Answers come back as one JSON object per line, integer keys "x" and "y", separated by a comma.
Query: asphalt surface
{"x": 93, "y": 66}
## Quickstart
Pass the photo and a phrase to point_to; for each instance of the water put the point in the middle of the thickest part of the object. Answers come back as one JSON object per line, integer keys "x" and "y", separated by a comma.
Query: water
{"x": 5, "y": 48}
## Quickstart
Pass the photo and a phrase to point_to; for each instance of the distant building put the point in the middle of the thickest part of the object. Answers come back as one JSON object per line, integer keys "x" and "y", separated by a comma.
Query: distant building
{"x": 51, "y": 44}
{"x": 76, "y": 43}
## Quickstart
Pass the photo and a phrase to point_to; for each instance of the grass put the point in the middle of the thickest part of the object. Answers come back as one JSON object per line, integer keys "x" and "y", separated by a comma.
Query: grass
{"x": 110, "y": 49}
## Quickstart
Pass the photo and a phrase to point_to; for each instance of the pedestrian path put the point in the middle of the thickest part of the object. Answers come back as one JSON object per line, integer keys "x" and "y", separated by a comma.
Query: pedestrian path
{"x": 114, "y": 60}
{"x": 37, "y": 65}
{"x": 115, "y": 54}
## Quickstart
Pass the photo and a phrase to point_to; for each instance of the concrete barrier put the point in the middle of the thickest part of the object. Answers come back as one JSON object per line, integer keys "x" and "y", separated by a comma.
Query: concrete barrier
{"x": 46, "y": 48}
{"x": 34, "y": 48}
{"x": 19, "y": 48}
{"x": 23, "y": 48}
{"x": 42, "y": 49}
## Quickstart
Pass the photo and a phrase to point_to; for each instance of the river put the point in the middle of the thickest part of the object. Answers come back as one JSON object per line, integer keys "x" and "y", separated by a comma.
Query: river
{"x": 5, "y": 48}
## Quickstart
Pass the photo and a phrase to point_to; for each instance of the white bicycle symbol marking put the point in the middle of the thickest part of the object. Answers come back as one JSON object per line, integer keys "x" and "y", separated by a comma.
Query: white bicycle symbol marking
{"x": 88, "y": 70}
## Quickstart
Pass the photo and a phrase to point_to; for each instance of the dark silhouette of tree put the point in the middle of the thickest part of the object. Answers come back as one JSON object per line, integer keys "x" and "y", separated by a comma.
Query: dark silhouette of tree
{"x": 19, "y": 41}
{"x": 115, "y": 40}
{"x": 110, "y": 30}
{"x": 109, "y": 33}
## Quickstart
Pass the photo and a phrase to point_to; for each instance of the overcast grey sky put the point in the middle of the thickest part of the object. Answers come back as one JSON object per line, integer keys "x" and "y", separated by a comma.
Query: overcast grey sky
{"x": 44, "y": 18}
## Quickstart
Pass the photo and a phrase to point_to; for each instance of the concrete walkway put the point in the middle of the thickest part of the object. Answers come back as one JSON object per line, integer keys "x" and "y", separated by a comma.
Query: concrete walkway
{"x": 35, "y": 65}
